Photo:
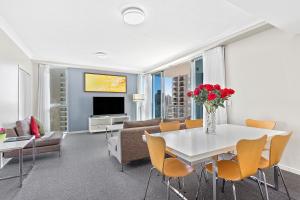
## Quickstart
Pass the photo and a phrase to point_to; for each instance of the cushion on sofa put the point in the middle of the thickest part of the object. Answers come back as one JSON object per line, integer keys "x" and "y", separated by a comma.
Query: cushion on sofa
{"x": 34, "y": 128}
{"x": 133, "y": 124}
{"x": 41, "y": 127}
{"x": 23, "y": 127}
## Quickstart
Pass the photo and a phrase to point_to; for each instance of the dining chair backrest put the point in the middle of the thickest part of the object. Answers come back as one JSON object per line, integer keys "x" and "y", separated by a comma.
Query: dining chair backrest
{"x": 156, "y": 148}
{"x": 169, "y": 126}
{"x": 249, "y": 154}
{"x": 260, "y": 123}
{"x": 278, "y": 144}
{"x": 189, "y": 123}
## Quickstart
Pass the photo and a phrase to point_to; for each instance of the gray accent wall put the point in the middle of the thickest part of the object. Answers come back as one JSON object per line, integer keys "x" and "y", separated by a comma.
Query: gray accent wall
{"x": 80, "y": 103}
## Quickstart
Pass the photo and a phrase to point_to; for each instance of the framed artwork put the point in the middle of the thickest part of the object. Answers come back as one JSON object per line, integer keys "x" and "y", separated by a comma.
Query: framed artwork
{"x": 105, "y": 83}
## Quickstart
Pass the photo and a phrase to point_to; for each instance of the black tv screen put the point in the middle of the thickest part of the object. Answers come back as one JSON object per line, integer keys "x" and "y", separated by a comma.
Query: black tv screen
{"x": 108, "y": 105}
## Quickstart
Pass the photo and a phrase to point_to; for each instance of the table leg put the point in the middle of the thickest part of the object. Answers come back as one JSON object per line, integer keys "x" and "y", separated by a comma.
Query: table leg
{"x": 214, "y": 177}
{"x": 21, "y": 166}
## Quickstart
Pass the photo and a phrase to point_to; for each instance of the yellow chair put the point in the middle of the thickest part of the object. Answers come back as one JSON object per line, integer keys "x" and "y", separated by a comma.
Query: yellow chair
{"x": 260, "y": 123}
{"x": 169, "y": 126}
{"x": 248, "y": 158}
{"x": 277, "y": 146}
{"x": 167, "y": 167}
{"x": 193, "y": 123}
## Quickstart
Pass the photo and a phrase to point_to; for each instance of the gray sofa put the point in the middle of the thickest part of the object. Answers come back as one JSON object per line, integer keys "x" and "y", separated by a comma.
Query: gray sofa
{"x": 50, "y": 142}
{"x": 128, "y": 145}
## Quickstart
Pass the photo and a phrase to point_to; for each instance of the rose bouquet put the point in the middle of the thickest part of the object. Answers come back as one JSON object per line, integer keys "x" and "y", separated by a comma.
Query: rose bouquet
{"x": 212, "y": 97}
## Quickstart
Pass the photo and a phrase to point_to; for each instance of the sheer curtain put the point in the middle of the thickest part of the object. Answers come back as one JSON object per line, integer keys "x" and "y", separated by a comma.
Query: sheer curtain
{"x": 140, "y": 90}
{"x": 214, "y": 72}
{"x": 146, "y": 83}
{"x": 43, "y": 111}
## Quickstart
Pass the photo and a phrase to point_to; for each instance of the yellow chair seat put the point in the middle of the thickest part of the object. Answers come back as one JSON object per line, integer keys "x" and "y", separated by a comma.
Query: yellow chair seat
{"x": 227, "y": 169}
{"x": 176, "y": 168}
{"x": 169, "y": 152}
{"x": 263, "y": 163}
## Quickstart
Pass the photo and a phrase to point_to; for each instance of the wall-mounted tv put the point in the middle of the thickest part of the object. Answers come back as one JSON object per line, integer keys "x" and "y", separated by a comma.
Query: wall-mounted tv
{"x": 108, "y": 105}
{"x": 105, "y": 83}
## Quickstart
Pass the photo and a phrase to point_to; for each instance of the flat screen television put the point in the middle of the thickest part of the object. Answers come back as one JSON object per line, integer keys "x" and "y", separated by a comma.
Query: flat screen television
{"x": 108, "y": 105}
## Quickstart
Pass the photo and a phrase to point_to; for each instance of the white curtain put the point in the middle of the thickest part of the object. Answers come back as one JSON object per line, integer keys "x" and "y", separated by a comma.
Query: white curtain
{"x": 25, "y": 102}
{"x": 140, "y": 90}
{"x": 43, "y": 113}
{"x": 214, "y": 73}
{"x": 146, "y": 83}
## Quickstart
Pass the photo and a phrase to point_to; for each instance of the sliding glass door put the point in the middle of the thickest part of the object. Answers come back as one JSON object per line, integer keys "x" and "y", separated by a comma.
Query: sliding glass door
{"x": 157, "y": 95}
{"x": 169, "y": 90}
{"x": 177, "y": 81}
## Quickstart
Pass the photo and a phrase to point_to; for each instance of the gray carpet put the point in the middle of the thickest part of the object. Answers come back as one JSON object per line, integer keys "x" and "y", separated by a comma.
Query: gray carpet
{"x": 85, "y": 172}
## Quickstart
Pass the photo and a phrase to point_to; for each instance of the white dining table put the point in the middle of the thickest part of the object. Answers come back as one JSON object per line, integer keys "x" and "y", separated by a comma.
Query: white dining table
{"x": 194, "y": 146}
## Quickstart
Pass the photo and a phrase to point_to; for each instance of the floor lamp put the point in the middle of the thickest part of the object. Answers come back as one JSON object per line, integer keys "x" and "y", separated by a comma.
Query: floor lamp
{"x": 138, "y": 98}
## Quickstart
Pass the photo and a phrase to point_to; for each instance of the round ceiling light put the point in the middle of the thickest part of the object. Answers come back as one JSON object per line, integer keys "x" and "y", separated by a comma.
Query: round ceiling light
{"x": 101, "y": 54}
{"x": 133, "y": 16}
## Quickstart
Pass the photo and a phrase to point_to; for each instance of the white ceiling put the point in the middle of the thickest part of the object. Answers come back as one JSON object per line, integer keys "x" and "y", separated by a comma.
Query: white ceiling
{"x": 284, "y": 14}
{"x": 69, "y": 31}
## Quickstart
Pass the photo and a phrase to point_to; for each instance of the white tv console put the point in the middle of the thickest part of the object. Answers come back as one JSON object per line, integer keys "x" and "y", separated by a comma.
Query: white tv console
{"x": 106, "y": 123}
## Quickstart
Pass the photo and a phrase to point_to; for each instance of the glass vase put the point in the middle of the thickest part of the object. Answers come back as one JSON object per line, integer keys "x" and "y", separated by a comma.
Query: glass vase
{"x": 210, "y": 123}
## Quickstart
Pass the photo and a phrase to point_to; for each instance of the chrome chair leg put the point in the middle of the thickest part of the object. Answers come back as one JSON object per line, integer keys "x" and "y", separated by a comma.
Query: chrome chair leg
{"x": 179, "y": 185}
{"x": 205, "y": 176}
{"x": 168, "y": 189}
{"x": 163, "y": 179}
{"x": 234, "y": 191}
{"x": 183, "y": 189}
{"x": 199, "y": 183}
{"x": 260, "y": 189}
{"x": 281, "y": 175}
{"x": 151, "y": 170}
{"x": 265, "y": 183}
{"x": 223, "y": 186}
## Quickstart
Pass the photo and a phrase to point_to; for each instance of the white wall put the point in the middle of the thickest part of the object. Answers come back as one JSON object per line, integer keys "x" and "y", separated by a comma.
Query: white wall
{"x": 264, "y": 69}
{"x": 10, "y": 58}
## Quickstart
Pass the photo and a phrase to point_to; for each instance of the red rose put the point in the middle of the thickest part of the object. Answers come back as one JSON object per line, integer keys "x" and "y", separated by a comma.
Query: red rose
{"x": 189, "y": 94}
{"x": 224, "y": 93}
{"x": 231, "y": 91}
{"x": 209, "y": 87}
{"x": 196, "y": 91}
{"x": 211, "y": 96}
{"x": 201, "y": 86}
{"x": 217, "y": 87}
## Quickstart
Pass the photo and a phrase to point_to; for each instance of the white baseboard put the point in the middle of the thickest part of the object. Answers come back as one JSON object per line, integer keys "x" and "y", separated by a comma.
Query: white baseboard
{"x": 75, "y": 132}
{"x": 290, "y": 169}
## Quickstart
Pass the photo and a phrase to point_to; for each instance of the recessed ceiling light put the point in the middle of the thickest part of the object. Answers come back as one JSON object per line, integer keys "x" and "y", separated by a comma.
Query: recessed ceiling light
{"x": 101, "y": 54}
{"x": 133, "y": 16}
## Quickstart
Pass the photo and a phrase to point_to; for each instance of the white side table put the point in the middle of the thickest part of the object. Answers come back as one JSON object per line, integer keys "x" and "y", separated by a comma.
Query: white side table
{"x": 18, "y": 145}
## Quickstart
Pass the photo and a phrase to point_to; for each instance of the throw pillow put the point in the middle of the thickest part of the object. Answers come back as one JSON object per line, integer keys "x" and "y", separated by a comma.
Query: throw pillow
{"x": 23, "y": 127}
{"x": 41, "y": 127}
{"x": 34, "y": 128}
